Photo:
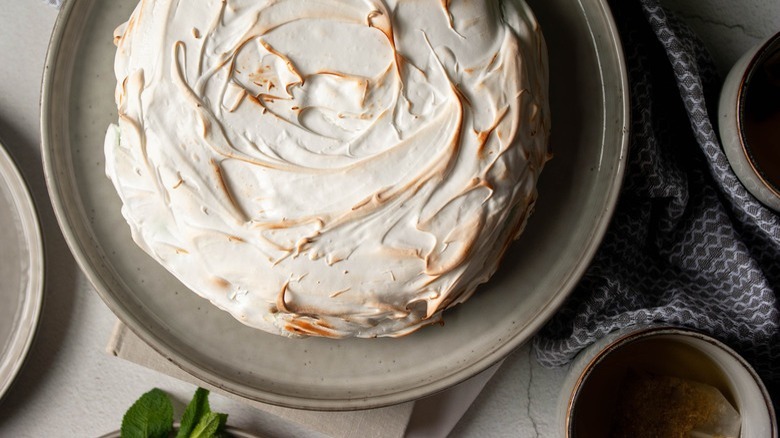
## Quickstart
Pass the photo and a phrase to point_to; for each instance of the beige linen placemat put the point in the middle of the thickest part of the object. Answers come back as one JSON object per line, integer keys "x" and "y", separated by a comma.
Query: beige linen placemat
{"x": 431, "y": 417}
{"x": 389, "y": 422}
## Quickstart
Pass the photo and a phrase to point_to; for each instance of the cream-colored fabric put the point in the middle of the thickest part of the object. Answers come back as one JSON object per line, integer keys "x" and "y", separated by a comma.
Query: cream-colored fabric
{"x": 380, "y": 423}
{"x": 431, "y": 417}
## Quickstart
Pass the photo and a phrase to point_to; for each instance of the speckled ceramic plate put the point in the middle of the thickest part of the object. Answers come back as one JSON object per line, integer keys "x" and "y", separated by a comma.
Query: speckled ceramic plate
{"x": 230, "y": 432}
{"x": 578, "y": 192}
{"x": 21, "y": 271}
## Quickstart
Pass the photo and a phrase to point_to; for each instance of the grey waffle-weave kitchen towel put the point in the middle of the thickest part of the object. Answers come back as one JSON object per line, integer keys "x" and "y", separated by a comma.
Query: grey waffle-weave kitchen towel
{"x": 688, "y": 245}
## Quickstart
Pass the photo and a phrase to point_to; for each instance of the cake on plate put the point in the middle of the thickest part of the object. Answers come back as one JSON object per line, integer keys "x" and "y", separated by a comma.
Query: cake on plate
{"x": 336, "y": 168}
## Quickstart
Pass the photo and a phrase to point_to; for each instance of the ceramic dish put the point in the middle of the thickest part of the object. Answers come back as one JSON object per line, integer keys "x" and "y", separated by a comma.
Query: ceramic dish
{"x": 229, "y": 432}
{"x": 578, "y": 192}
{"x": 589, "y": 394}
{"x": 732, "y": 121}
{"x": 21, "y": 268}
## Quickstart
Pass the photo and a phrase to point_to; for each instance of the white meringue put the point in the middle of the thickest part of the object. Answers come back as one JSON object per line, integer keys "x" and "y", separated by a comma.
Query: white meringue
{"x": 329, "y": 167}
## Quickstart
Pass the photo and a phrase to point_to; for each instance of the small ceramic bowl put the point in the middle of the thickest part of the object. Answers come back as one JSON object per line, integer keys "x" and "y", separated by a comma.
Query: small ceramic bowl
{"x": 229, "y": 432}
{"x": 749, "y": 121}
{"x": 590, "y": 394}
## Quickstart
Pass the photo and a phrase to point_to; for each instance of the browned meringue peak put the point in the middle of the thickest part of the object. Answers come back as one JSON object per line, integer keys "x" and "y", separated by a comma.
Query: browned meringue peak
{"x": 332, "y": 168}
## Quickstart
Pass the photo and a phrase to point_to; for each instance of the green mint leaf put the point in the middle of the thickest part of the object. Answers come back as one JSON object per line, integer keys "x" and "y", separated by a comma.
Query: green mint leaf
{"x": 151, "y": 416}
{"x": 209, "y": 426}
{"x": 197, "y": 409}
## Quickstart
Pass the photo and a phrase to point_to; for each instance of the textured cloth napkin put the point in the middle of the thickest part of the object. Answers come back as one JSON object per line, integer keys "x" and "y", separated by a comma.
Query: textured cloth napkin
{"x": 688, "y": 245}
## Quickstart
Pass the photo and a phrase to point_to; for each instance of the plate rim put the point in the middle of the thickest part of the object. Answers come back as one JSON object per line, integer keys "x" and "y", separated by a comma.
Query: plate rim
{"x": 24, "y": 337}
{"x": 389, "y": 398}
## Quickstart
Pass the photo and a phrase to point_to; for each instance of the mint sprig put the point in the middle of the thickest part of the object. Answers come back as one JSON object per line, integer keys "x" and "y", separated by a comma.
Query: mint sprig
{"x": 209, "y": 426}
{"x": 198, "y": 421}
{"x": 151, "y": 416}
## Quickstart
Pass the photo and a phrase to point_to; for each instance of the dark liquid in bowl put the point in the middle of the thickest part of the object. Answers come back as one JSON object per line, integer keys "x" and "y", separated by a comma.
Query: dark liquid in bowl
{"x": 761, "y": 120}
{"x": 598, "y": 403}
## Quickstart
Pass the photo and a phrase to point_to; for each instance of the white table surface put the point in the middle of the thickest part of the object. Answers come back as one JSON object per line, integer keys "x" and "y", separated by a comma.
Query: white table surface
{"x": 69, "y": 387}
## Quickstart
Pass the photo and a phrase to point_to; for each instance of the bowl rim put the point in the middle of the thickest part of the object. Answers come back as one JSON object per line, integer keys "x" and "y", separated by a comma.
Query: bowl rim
{"x": 233, "y": 432}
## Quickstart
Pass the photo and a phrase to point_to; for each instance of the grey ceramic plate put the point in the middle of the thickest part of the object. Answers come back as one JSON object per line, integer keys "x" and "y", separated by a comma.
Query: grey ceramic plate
{"x": 21, "y": 271}
{"x": 577, "y": 195}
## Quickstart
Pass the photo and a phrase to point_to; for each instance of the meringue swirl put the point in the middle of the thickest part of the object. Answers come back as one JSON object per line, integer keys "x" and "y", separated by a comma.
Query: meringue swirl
{"x": 329, "y": 167}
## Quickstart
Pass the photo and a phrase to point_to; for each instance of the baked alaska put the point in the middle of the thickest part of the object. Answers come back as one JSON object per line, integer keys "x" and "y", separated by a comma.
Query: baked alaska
{"x": 334, "y": 168}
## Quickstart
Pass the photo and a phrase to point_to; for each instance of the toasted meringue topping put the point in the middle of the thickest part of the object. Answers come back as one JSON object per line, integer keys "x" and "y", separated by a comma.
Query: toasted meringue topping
{"x": 329, "y": 167}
